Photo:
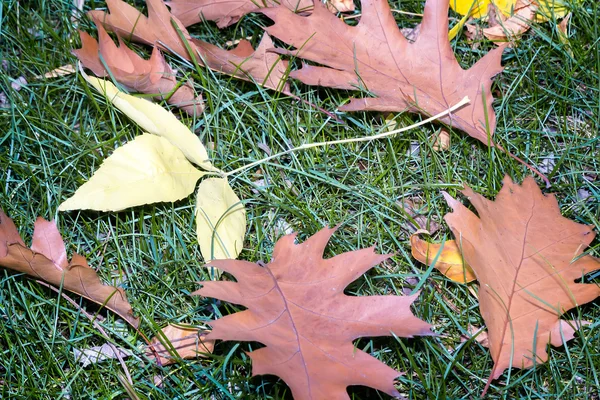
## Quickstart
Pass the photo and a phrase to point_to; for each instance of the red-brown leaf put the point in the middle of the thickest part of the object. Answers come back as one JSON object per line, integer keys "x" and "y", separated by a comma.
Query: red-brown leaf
{"x": 296, "y": 306}
{"x": 526, "y": 257}
{"x": 47, "y": 260}
{"x": 153, "y": 76}
{"x": 423, "y": 76}
{"x": 266, "y": 69}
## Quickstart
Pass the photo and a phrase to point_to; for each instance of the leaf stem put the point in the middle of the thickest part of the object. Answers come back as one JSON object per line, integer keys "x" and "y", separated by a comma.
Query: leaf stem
{"x": 382, "y": 135}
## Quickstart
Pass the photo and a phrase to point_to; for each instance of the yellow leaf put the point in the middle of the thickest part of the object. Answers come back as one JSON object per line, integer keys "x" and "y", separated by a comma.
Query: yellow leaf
{"x": 146, "y": 170}
{"x": 154, "y": 119}
{"x": 220, "y": 220}
{"x": 479, "y": 8}
{"x": 449, "y": 259}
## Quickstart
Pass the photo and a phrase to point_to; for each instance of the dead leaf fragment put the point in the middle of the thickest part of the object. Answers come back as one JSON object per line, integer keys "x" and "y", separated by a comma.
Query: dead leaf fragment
{"x": 47, "y": 260}
{"x": 515, "y": 25}
{"x": 446, "y": 256}
{"x": 153, "y": 76}
{"x": 297, "y": 308}
{"x": 181, "y": 342}
{"x": 375, "y": 56}
{"x": 96, "y": 354}
{"x": 243, "y": 62}
{"x": 441, "y": 141}
{"x": 526, "y": 257}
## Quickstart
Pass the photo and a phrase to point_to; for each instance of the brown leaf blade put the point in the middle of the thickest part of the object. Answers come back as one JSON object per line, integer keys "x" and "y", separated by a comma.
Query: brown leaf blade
{"x": 266, "y": 69}
{"x": 153, "y": 76}
{"x": 296, "y": 306}
{"x": 184, "y": 342}
{"x": 526, "y": 257}
{"x": 47, "y": 260}
{"x": 423, "y": 76}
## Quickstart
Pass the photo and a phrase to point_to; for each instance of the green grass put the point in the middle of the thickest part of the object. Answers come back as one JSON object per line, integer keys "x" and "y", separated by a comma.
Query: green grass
{"x": 55, "y": 133}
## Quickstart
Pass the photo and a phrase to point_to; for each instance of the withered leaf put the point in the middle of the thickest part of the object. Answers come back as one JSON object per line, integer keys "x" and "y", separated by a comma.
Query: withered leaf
{"x": 226, "y": 12}
{"x": 153, "y": 76}
{"x": 266, "y": 69}
{"x": 296, "y": 306}
{"x": 185, "y": 342}
{"x": 526, "y": 257}
{"x": 47, "y": 260}
{"x": 374, "y": 56}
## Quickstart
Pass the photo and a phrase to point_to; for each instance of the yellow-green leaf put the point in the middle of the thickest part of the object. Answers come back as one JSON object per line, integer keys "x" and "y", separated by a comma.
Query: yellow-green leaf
{"x": 479, "y": 8}
{"x": 449, "y": 259}
{"x": 148, "y": 169}
{"x": 220, "y": 220}
{"x": 154, "y": 119}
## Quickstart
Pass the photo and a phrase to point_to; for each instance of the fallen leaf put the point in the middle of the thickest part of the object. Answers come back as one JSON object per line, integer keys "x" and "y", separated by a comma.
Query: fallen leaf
{"x": 374, "y": 56}
{"x": 67, "y": 69}
{"x": 563, "y": 33}
{"x": 154, "y": 119}
{"x": 336, "y": 6}
{"x": 47, "y": 260}
{"x": 220, "y": 220}
{"x": 180, "y": 342}
{"x": 149, "y": 169}
{"x": 96, "y": 354}
{"x": 441, "y": 141}
{"x": 481, "y": 338}
{"x": 526, "y": 257}
{"x": 518, "y": 23}
{"x": 297, "y": 308}
{"x": 480, "y": 8}
{"x": 243, "y": 62}
{"x": 153, "y": 76}
{"x": 446, "y": 258}
{"x": 19, "y": 83}
{"x": 227, "y": 12}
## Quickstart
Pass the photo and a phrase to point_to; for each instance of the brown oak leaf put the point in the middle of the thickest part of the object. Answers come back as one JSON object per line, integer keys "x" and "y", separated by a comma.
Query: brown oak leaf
{"x": 153, "y": 76}
{"x": 227, "y": 12}
{"x": 184, "y": 342}
{"x": 297, "y": 308}
{"x": 266, "y": 69}
{"x": 374, "y": 56}
{"x": 526, "y": 257}
{"x": 47, "y": 260}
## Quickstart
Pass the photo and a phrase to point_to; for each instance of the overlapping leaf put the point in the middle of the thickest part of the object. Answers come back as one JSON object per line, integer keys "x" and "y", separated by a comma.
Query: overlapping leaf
{"x": 46, "y": 259}
{"x": 527, "y": 258}
{"x": 296, "y": 306}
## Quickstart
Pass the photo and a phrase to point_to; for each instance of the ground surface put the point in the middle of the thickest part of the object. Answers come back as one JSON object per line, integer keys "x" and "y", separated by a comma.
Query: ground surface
{"x": 55, "y": 133}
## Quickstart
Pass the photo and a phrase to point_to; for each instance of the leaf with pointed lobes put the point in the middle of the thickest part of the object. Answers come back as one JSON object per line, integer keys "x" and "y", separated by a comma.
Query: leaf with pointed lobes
{"x": 243, "y": 62}
{"x": 526, "y": 257}
{"x": 180, "y": 342}
{"x": 153, "y": 76}
{"x": 374, "y": 56}
{"x": 297, "y": 308}
{"x": 46, "y": 259}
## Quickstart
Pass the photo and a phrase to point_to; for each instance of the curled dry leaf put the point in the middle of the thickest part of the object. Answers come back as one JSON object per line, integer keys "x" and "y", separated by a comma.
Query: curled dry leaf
{"x": 153, "y": 76}
{"x": 180, "y": 342}
{"x": 47, "y": 260}
{"x": 518, "y": 23}
{"x": 220, "y": 220}
{"x": 375, "y": 56}
{"x": 266, "y": 69}
{"x": 446, "y": 258}
{"x": 146, "y": 170}
{"x": 297, "y": 308}
{"x": 526, "y": 257}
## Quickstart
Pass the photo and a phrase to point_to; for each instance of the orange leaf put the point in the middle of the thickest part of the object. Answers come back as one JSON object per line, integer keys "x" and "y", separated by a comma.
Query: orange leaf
{"x": 47, "y": 260}
{"x": 448, "y": 259}
{"x": 185, "y": 342}
{"x": 374, "y": 55}
{"x": 153, "y": 76}
{"x": 296, "y": 306}
{"x": 258, "y": 66}
{"x": 526, "y": 257}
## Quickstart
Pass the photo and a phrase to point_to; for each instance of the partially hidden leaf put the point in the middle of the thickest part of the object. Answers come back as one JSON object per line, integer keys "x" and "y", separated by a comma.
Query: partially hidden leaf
{"x": 148, "y": 169}
{"x": 297, "y": 308}
{"x": 446, "y": 258}
{"x": 266, "y": 69}
{"x": 96, "y": 354}
{"x": 527, "y": 258}
{"x": 178, "y": 342}
{"x": 220, "y": 220}
{"x": 479, "y": 8}
{"x": 515, "y": 25}
{"x": 46, "y": 259}
{"x": 153, "y": 76}
{"x": 154, "y": 119}
{"x": 375, "y": 57}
